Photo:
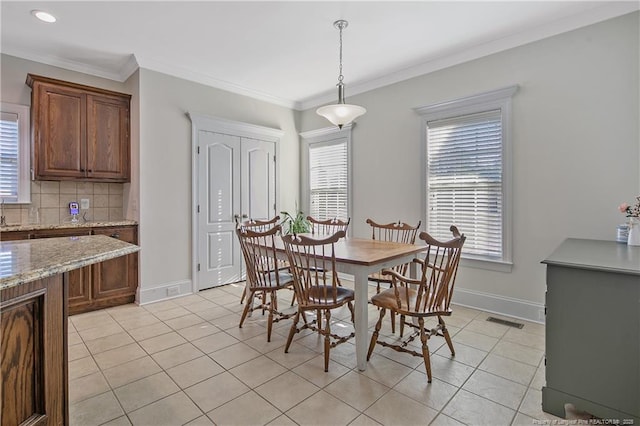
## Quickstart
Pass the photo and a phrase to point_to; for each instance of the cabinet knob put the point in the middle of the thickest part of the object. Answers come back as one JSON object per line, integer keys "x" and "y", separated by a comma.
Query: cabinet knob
{"x": 115, "y": 235}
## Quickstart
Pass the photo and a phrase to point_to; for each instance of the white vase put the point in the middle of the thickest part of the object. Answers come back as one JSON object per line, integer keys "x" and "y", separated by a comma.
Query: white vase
{"x": 634, "y": 232}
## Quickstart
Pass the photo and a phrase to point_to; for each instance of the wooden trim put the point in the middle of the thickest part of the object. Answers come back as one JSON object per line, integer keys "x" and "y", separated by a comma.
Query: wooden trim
{"x": 32, "y": 78}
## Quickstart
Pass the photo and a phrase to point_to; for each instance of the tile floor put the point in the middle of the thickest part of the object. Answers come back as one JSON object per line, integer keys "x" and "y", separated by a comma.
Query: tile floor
{"x": 185, "y": 361}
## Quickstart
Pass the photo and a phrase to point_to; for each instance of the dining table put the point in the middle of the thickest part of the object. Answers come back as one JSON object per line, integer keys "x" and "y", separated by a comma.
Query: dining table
{"x": 361, "y": 257}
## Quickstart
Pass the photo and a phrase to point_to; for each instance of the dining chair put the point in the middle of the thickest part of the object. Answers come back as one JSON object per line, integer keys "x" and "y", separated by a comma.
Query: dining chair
{"x": 329, "y": 226}
{"x": 398, "y": 232}
{"x": 417, "y": 299}
{"x": 315, "y": 281}
{"x": 258, "y": 225}
{"x": 264, "y": 277}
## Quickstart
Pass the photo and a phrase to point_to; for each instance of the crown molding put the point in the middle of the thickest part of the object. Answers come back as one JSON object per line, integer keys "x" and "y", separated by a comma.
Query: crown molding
{"x": 207, "y": 80}
{"x": 559, "y": 26}
{"x": 550, "y": 29}
{"x": 56, "y": 61}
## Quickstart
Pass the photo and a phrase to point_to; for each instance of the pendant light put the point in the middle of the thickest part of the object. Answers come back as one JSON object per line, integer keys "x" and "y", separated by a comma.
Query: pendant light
{"x": 341, "y": 113}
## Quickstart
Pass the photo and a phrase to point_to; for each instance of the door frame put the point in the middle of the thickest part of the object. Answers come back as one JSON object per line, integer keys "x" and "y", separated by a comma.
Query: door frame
{"x": 209, "y": 123}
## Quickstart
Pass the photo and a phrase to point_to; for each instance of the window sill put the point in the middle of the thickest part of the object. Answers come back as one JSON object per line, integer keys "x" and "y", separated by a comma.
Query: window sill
{"x": 488, "y": 264}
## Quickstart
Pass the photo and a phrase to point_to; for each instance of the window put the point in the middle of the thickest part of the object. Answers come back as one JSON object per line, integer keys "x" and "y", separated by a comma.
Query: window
{"x": 326, "y": 173}
{"x": 14, "y": 154}
{"x": 467, "y": 179}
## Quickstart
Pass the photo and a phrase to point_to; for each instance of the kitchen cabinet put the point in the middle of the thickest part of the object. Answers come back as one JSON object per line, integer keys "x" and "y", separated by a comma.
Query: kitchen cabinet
{"x": 115, "y": 281}
{"x": 33, "y": 349}
{"x": 592, "y": 331}
{"x": 33, "y": 323}
{"x": 79, "y": 132}
{"x": 101, "y": 285}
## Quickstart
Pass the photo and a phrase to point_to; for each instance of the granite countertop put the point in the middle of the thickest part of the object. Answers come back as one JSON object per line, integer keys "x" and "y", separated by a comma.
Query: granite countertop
{"x": 29, "y": 260}
{"x": 596, "y": 255}
{"x": 67, "y": 225}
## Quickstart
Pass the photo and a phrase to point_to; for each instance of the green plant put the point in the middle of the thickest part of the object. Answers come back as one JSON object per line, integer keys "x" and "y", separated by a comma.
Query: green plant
{"x": 295, "y": 225}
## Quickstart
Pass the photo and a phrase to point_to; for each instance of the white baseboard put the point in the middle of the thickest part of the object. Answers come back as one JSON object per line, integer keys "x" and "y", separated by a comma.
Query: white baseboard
{"x": 165, "y": 291}
{"x": 501, "y": 305}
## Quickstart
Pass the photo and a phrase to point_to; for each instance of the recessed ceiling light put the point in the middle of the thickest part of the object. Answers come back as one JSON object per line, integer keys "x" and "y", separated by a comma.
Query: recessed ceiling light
{"x": 43, "y": 16}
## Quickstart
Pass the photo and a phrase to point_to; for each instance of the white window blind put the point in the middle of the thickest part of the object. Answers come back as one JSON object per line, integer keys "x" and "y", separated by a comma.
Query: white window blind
{"x": 14, "y": 153}
{"x": 9, "y": 155}
{"x": 328, "y": 180}
{"x": 465, "y": 180}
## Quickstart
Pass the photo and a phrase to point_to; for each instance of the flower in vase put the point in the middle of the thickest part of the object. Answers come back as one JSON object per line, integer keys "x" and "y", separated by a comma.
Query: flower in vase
{"x": 630, "y": 211}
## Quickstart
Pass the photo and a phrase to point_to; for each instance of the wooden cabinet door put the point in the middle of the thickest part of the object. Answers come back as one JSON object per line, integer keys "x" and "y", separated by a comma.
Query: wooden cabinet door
{"x": 59, "y": 118}
{"x": 79, "y": 294}
{"x": 79, "y": 132}
{"x": 107, "y": 137}
{"x": 33, "y": 353}
{"x": 116, "y": 279}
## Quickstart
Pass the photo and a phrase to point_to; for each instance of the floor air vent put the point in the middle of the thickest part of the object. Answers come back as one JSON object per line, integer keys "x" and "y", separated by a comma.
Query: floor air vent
{"x": 505, "y": 322}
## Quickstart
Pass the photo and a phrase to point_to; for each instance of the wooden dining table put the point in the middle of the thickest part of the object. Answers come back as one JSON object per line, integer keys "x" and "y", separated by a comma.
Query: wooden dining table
{"x": 361, "y": 257}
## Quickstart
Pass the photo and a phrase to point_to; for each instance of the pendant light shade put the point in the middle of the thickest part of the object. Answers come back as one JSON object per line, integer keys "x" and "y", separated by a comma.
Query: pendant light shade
{"x": 341, "y": 113}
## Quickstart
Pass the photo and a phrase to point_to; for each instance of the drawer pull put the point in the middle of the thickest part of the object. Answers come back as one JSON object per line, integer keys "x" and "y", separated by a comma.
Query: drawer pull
{"x": 115, "y": 235}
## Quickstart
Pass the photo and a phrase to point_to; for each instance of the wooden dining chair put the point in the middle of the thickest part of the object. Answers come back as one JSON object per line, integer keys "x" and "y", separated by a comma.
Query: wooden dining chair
{"x": 258, "y": 225}
{"x": 398, "y": 232}
{"x": 315, "y": 281}
{"x": 428, "y": 296}
{"x": 264, "y": 277}
{"x": 329, "y": 226}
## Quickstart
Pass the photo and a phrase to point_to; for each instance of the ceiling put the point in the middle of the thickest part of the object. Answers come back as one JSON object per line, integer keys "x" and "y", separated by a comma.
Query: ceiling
{"x": 284, "y": 52}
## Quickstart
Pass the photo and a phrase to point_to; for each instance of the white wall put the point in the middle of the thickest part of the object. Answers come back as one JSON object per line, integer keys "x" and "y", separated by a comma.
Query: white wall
{"x": 575, "y": 147}
{"x": 165, "y": 169}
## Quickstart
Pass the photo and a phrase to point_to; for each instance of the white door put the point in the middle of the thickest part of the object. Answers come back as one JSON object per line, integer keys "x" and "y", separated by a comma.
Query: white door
{"x": 236, "y": 181}
{"x": 258, "y": 180}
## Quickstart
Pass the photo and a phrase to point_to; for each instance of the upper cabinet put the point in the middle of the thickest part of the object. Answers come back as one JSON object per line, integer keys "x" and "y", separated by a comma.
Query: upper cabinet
{"x": 79, "y": 132}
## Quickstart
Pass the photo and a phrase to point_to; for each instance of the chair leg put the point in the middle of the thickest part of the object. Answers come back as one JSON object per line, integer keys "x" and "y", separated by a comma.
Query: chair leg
{"x": 353, "y": 317}
{"x": 246, "y": 309}
{"x": 292, "y": 331}
{"x": 272, "y": 308}
{"x": 425, "y": 349}
{"x": 393, "y": 322}
{"x": 376, "y": 332}
{"x": 293, "y": 298}
{"x": 402, "y": 319}
{"x": 319, "y": 320}
{"x": 447, "y": 337}
{"x": 244, "y": 294}
{"x": 327, "y": 340}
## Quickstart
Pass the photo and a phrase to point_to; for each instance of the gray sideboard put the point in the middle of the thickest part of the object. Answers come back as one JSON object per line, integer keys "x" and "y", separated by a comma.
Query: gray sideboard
{"x": 593, "y": 330}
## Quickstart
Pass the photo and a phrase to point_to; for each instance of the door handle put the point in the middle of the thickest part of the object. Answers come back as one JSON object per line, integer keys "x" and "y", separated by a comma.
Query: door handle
{"x": 237, "y": 217}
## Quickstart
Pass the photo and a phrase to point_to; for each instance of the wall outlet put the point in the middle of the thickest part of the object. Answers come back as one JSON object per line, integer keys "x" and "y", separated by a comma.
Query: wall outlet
{"x": 173, "y": 291}
{"x": 84, "y": 203}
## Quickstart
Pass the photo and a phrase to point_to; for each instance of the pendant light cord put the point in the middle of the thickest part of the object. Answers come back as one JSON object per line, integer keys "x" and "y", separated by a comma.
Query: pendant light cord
{"x": 340, "y": 77}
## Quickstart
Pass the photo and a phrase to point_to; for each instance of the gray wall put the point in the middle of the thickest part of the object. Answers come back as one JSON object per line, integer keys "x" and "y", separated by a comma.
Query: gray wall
{"x": 576, "y": 151}
{"x": 575, "y": 148}
{"x": 165, "y": 168}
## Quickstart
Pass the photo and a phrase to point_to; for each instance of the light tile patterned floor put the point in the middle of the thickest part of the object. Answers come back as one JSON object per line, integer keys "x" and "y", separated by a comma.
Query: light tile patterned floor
{"x": 185, "y": 361}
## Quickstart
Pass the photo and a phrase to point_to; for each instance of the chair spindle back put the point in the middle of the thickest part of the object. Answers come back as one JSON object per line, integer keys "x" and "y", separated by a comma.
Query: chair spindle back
{"x": 259, "y": 251}
{"x": 329, "y": 226}
{"x": 313, "y": 263}
{"x": 439, "y": 272}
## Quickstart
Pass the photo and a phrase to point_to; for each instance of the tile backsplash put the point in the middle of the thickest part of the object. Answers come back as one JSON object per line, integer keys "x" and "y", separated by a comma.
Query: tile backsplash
{"x": 52, "y": 200}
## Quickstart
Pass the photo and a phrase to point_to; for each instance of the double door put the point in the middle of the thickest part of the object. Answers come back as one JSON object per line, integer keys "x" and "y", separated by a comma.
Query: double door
{"x": 236, "y": 181}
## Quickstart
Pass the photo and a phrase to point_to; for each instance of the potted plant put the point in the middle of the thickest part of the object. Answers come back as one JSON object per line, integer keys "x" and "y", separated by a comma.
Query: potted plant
{"x": 297, "y": 224}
